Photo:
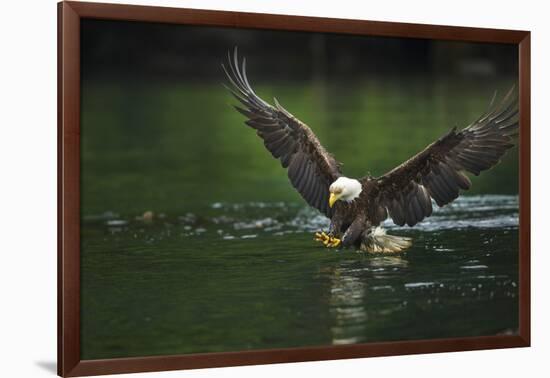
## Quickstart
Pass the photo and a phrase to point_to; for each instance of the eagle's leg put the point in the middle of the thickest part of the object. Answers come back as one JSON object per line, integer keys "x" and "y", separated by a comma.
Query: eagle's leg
{"x": 353, "y": 233}
{"x": 350, "y": 237}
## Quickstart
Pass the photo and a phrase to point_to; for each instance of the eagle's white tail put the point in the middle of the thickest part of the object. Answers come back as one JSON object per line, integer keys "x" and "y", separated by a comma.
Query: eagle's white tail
{"x": 377, "y": 241}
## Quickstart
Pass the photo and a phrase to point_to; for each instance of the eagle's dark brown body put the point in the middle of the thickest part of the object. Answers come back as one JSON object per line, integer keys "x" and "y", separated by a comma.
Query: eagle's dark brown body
{"x": 405, "y": 193}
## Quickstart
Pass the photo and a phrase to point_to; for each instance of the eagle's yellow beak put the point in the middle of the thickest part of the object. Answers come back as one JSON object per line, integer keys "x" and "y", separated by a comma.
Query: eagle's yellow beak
{"x": 333, "y": 198}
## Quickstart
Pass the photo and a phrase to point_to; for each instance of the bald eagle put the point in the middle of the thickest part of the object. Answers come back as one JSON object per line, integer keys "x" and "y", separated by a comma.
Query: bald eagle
{"x": 356, "y": 207}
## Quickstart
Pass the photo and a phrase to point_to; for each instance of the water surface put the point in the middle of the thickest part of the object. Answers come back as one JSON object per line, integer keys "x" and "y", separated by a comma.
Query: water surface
{"x": 249, "y": 276}
{"x": 227, "y": 262}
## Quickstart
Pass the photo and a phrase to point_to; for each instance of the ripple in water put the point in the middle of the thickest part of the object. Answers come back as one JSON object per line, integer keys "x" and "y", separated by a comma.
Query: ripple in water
{"x": 250, "y": 220}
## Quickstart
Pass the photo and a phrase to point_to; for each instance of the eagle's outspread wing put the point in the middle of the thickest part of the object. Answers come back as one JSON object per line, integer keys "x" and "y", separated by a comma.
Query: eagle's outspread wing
{"x": 311, "y": 169}
{"x": 438, "y": 171}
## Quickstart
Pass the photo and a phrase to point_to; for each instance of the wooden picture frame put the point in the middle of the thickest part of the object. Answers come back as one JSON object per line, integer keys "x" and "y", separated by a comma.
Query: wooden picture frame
{"x": 69, "y": 310}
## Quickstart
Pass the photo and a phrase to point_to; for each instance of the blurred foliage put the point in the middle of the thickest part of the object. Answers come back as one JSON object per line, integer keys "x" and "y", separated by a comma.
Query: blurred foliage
{"x": 153, "y": 52}
{"x": 158, "y": 131}
{"x": 171, "y": 147}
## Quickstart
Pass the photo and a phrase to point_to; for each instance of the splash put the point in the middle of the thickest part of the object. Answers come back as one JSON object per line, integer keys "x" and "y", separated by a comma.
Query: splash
{"x": 251, "y": 220}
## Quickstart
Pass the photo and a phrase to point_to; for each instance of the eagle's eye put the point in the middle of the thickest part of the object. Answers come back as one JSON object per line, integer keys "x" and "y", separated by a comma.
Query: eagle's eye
{"x": 336, "y": 190}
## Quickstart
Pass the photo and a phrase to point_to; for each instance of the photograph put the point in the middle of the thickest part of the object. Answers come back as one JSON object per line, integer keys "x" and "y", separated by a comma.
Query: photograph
{"x": 250, "y": 189}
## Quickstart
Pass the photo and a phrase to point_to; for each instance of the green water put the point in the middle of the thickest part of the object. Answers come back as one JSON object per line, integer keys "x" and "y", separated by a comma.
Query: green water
{"x": 228, "y": 262}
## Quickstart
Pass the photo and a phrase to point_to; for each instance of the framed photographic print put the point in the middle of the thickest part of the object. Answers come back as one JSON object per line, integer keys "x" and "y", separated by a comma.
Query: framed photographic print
{"x": 239, "y": 188}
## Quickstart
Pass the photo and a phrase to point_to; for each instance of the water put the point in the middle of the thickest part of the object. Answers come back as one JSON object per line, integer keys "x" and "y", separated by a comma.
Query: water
{"x": 249, "y": 276}
{"x": 194, "y": 241}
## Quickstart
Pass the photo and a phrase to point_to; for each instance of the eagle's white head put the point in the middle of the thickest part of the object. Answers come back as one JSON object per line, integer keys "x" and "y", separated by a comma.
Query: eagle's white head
{"x": 345, "y": 189}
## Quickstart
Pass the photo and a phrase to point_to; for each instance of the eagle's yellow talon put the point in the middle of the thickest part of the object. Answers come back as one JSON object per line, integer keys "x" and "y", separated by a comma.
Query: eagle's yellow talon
{"x": 335, "y": 242}
{"x": 327, "y": 240}
{"x": 322, "y": 237}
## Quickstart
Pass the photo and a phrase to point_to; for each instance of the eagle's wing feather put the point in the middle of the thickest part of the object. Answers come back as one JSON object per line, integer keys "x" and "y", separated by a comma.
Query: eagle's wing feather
{"x": 311, "y": 169}
{"x": 438, "y": 171}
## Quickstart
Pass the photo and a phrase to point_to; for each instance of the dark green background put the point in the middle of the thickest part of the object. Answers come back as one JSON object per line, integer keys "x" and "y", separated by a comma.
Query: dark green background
{"x": 159, "y": 135}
